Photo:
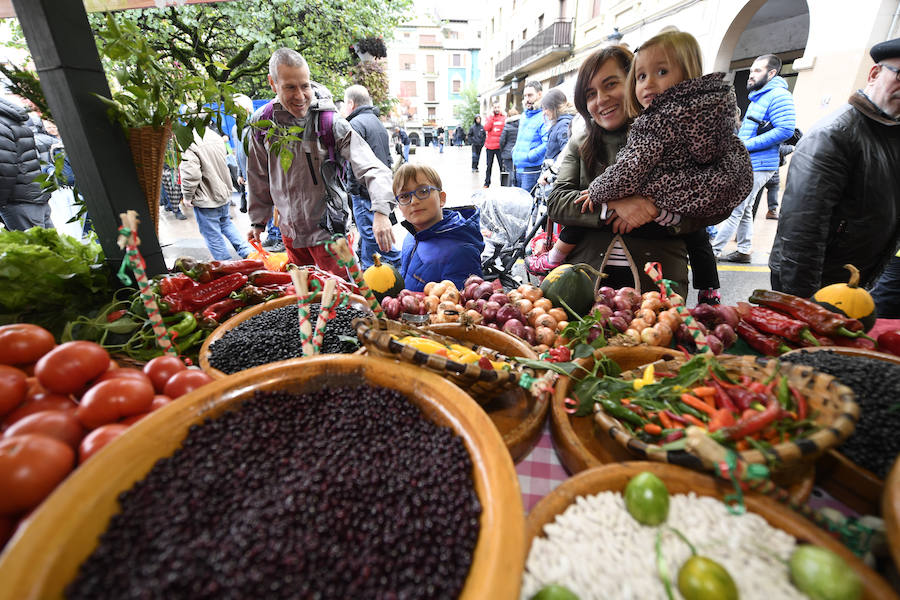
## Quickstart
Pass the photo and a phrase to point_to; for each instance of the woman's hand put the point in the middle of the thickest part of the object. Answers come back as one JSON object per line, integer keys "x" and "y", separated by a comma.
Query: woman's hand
{"x": 619, "y": 225}
{"x": 585, "y": 201}
{"x": 633, "y": 210}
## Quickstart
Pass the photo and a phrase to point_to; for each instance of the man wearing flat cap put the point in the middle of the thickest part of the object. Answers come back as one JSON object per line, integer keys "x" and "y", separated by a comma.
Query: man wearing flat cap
{"x": 842, "y": 200}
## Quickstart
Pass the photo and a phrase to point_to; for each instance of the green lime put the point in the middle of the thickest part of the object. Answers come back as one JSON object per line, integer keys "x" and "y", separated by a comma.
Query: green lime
{"x": 823, "y": 575}
{"x": 555, "y": 591}
{"x": 647, "y": 499}
{"x": 701, "y": 578}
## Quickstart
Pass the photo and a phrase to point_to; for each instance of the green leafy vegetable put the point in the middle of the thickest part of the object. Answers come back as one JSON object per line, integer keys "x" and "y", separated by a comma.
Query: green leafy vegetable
{"x": 49, "y": 278}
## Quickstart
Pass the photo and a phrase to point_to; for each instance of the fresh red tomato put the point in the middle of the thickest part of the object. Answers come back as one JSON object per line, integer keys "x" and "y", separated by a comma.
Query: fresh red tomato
{"x": 161, "y": 369}
{"x": 159, "y": 401}
{"x": 66, "y": 368}
{"x": 109, "y": 401}
{"x": 129, "y": 421}
{"x": 22, "y": 343}
{"x": 98, "y": 438}
{"x": 31, "y": 466}
{"x": 40, "y": 401}
{"x": 126, "y": 373}
{"x": 186, "y": 381}
{"x": 7, "y": 525}
{"x": 889, "y": 341}
{"x": 13, "y": 388}
{"x": 62, "y": 425}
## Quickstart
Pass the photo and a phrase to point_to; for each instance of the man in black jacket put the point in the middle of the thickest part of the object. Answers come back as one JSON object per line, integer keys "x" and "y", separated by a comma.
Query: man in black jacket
{"x": 842, "y": 201}
{"x": 363, "y": 118}
{"x": 23, "y": 204}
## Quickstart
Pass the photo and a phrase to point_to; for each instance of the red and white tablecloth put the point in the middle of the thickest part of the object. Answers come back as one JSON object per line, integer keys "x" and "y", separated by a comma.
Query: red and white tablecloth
{"x": 540, "y": 472}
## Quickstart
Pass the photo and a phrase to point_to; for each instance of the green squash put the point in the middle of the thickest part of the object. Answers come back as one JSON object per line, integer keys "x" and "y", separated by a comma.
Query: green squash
{"x": 383, "y": 279}
{"x": 848, "y": 299}
{"x": 571, "y": 286}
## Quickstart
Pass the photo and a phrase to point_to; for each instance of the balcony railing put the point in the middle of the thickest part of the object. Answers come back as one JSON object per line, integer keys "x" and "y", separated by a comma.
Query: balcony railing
{"x": 552, "y": 39}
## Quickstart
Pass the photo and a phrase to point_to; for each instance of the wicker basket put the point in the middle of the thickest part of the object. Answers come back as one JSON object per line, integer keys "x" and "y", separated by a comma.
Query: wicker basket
{"x": 148, "y": 151}
{"x": 837, "y": 413}
{"x": 482, "y": 384}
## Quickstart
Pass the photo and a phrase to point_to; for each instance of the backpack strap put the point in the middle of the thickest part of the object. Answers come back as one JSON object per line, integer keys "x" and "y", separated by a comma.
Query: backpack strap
{"x": 267, "y": 113}
{"x": 325, "y": 132}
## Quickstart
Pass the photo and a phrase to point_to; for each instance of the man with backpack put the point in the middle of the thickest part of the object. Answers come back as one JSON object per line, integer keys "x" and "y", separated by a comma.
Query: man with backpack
{"x": 303, "y": 179}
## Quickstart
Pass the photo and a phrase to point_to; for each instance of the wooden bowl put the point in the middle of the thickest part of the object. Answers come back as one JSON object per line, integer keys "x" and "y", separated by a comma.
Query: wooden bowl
{"x": 890, "y": 511}
{"x": 857, "y": 487}
{"x": 355, "y": 301}
{"x": 45, "y": 554}
{"x": 518, "y": 415}
{"x": 681, "y": 481}
{"x": 581, "y": 444}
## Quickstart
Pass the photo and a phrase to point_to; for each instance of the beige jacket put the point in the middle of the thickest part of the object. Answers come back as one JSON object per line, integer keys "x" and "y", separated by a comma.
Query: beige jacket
{"x": 299, "y": 194}
{"x": 205, "y": 180}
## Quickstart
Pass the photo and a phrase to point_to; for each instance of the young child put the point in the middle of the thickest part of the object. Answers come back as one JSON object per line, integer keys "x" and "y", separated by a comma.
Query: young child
{"x": 446, "y": 243}
{"x": 681, "y": 152}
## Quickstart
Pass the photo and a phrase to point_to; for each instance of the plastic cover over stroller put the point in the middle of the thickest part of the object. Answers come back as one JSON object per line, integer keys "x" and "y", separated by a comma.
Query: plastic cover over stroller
{"x": 510, "y": 217}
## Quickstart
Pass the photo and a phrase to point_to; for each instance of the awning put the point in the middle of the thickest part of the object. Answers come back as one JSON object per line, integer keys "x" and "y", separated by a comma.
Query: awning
{"x": 500, "y": 90}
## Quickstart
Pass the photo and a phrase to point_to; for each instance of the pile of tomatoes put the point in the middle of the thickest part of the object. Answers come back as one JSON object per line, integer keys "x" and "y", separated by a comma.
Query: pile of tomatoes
{"x": 76, "y": 402}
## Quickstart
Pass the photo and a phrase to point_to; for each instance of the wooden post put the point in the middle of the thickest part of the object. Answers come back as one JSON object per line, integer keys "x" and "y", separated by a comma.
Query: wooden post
{"x": 65, "y": 56}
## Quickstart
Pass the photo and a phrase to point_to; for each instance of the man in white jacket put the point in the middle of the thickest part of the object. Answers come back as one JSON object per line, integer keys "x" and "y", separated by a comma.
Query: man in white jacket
{"x": 206, "y": 185}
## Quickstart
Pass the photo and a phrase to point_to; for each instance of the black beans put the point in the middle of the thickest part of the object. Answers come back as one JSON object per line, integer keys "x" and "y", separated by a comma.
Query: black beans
{"x": 343, "y": 493}
{"x": 275, "y": 335}
{"x": 876, "y": 442}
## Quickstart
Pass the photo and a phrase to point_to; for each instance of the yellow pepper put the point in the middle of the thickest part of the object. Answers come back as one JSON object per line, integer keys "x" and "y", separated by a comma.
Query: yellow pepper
{"x": 424, "y": 345}
{"x": 463, "y": 355}
{"x": 648, "y": 378}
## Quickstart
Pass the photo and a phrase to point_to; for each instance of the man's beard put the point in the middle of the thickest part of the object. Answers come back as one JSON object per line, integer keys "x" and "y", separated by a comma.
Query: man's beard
{"x": 752, "y": 87}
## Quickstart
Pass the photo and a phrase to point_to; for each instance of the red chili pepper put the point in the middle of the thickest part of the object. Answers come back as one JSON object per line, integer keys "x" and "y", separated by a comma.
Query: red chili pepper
{"x": 270, "y": 278}
{"x": 722, "y": 397}
{"x": 675, "y": 417}
{"x": 820, "y": 319}
{"x": 219, "y": 310}
{"x": 201, "y": 296}
{"x": 860, "y": 342}
{"x": 674, "y": 435}
{"x": 755, "y": 422}
{"x": 205, "y": 272}
{"x": 175, "y": 283}
{"x": 762, "y": 343}
{"x": 769, "y": 321}
{"x": 115, "y": 315}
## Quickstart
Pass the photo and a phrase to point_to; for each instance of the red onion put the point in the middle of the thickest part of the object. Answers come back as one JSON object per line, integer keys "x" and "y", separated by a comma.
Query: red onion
{"x": 507, "y": 312}
{"x": 500, "y": 298}
{"x": 515, "y": 327}
{"x": 489, "y": 311}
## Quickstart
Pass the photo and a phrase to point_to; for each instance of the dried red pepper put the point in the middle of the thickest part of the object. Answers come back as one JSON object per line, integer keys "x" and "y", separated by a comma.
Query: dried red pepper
{"x": 762, "y": 343}
{"x": 204, "y": 272}
{"x": 221, "y": 309}
{"x": 820, "y": 319}
{"x": 722, "y": 397}
{"x": 201, "y": 296}
{"x": 269, "y": 278}
{"x": 175, "y": 283}
{"x": 769, "y": 321}
{"x": 755, "y": 422}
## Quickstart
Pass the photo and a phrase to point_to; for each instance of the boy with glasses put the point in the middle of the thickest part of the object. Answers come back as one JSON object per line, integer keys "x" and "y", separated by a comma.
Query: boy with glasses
{"x": 445, "y": 243}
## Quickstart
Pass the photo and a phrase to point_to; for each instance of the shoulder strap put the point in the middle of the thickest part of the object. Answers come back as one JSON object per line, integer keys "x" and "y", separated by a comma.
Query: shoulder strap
{"x": 325, "y": 132}
{"x": 267, "y": 113}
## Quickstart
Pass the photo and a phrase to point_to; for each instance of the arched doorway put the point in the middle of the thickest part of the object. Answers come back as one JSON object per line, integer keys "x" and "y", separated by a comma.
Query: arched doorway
{"x": 779, "y": 27}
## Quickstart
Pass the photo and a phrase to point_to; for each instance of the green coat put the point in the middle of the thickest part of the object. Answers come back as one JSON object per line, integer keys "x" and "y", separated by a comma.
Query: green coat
{"x": 650, "y": 243}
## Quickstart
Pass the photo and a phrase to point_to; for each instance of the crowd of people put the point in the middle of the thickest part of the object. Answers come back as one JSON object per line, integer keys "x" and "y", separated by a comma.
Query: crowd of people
{"x": 651, "y": 160}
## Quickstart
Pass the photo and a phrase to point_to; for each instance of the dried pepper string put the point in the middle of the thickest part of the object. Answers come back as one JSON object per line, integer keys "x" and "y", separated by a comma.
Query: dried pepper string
{"x": 129, "y": 242}
{"x": 327, "y": 311}
{"x": 300, "y": 277}
{"x": 343, "y": 255}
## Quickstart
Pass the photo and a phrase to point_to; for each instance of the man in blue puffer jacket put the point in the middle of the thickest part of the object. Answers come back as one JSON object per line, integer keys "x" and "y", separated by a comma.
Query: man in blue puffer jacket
{"x": 531, "y": 143}
{"x": 770, "y": 120}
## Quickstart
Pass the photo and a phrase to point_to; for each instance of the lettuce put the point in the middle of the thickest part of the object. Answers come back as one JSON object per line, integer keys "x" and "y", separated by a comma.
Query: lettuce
{"x": 48, "y": 278}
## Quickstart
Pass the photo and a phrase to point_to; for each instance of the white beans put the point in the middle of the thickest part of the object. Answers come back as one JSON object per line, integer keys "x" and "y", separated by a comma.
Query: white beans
{"x": 597, "y": 550}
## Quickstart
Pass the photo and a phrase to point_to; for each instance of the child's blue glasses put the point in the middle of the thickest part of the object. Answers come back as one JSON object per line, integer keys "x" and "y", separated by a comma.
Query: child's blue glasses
{"x": 421, "y": 192}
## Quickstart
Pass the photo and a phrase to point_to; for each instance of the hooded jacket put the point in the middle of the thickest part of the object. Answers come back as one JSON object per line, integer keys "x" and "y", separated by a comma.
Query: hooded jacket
{"x": 842, "y": 201}
{"x": 476, "y": 134}
{"x": 364, "y": 120}
{"x": 682, "y": 153}
{"x": 531, "y": 143}
{"x": 508, "y": 137}
{"x": 772, "y": 103}
{"x": 558, "y": 136}
{"x": 19, "y": 163}
{"x": 205, "y": 179}
{"x": 451, "y": 249}
{"x": 299, "y": 193}
{"x": 493, "y": 128}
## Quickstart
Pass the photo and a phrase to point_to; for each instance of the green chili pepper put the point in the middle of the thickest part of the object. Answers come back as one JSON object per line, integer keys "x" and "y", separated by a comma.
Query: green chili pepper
{"x": 181, "y": 324}
{"x": 183, "y": 344}
{"x": 784, "y": 393}
{"x": 620, "y": 412}
{"x": 684, "y": 408}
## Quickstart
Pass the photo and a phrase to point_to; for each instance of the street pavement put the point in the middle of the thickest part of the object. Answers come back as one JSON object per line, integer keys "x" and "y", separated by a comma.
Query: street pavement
{"x": 182, "y": 238}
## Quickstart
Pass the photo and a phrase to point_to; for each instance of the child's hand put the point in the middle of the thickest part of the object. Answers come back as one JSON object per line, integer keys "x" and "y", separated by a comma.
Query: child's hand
{"x": 585, "y": 201}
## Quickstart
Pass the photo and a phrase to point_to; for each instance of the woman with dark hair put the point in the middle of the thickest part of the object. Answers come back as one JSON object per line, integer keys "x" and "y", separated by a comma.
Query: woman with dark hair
{"x": 558, "y": 115}
{"x": 476, "y": 138}
{"x": 600, "y": 99}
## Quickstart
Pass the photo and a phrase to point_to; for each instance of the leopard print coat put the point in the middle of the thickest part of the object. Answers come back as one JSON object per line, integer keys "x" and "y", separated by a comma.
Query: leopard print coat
{"x": 682, "y": 152}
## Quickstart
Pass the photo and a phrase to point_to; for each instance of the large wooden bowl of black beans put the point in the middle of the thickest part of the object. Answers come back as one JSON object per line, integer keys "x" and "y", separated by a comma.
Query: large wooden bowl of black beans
{"x": 270, "y": 332}
{"x": 324, "y": 477}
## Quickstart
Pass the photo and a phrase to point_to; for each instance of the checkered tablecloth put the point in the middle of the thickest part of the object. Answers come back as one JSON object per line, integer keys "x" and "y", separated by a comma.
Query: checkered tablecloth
{"x": 540, "y": 472}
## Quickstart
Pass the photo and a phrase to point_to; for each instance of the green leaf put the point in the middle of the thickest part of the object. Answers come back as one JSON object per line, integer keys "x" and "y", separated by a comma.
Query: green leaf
{"x": 184, "y": 136}
{"x": 582, "y": 351}
{"x": 285, "y": 158}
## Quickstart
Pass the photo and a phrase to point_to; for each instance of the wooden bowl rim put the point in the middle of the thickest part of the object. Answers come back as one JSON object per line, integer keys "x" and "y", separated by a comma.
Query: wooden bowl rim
{"x": 28, "y": 565}
{"x": 613, "y": 477}
{"x": 890, "y": 510}
{"x": 203, "y": 356}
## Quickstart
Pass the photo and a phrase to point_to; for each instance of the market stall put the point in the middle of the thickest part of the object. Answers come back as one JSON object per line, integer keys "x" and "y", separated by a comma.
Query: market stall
{"x": 394, "y": 441}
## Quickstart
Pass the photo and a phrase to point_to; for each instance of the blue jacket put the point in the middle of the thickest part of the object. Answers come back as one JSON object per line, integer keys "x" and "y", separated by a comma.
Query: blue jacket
{"x": 558, "y": 136}
{"x": 531, "y": 143}
{"x": 775, "y": 104}
{"x": 449, "y": 250}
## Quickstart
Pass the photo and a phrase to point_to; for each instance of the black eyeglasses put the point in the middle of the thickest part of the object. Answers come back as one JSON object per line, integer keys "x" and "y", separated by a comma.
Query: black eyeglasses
{"x": 892, "y": 69}
{"x": 422, "y": 192}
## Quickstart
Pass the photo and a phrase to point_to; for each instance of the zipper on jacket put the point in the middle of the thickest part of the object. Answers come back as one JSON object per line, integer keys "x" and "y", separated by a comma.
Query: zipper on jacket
{"x": 312, "y": 170}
